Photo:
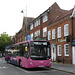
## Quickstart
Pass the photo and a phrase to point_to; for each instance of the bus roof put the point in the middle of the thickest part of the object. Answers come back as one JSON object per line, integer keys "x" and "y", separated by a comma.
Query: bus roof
{"x": 24, "y": 42}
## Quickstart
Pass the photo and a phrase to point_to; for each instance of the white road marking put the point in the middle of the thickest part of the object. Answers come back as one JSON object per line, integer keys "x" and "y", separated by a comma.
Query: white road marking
{"x": 54, "y": 70}
{"x": 3, "y": 67}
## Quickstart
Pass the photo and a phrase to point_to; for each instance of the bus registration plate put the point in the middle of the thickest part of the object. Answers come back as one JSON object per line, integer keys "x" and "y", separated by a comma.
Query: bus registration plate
{"x": 41, "y": 66}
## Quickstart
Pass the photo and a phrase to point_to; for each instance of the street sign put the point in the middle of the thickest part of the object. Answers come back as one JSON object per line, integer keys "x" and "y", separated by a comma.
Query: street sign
{"x": 28, "y": 37}
{"x": 73, "y": 43}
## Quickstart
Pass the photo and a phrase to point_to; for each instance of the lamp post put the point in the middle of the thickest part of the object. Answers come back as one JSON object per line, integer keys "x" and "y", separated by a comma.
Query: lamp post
{"x": 26, "y": 23}
{"x": 25, "y": 34}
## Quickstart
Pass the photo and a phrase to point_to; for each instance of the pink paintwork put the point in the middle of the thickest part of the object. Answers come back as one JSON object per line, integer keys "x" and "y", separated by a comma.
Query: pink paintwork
{"x": 30, "y": 63}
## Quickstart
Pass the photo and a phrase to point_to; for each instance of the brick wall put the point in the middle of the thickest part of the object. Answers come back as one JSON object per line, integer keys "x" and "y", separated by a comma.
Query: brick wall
{"x": 55, "y": 25}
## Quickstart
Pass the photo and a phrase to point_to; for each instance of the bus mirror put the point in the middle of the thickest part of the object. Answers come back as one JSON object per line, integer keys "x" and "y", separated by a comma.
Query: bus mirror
{"x": 26, "y": 49}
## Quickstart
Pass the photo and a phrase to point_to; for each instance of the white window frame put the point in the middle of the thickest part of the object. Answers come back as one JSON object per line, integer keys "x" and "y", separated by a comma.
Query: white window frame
{"x": 32, "y": 36}
{"x": 31, "y": 26}
{"x": 66, "y": 29}
{"x": 53, "y": 34}
{"x": 37, "y": 33}
{"x": 37, "y": 22}
{"x": 49, "y": 35}
{"x": 58, "y": 50}
{"x": 45, "y": 32}
{"x": 45, "y": 18}
{"x": 59, "y": 32}
{"x": 65, "y": 49}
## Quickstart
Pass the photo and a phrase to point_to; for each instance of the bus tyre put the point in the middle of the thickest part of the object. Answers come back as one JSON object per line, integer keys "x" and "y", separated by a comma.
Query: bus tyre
{"x": 8, "y": 60}
{"x": 20, "y": 64}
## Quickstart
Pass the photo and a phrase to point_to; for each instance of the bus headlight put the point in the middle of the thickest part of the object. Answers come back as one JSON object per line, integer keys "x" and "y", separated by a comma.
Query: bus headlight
{"x": 49, "y": 62}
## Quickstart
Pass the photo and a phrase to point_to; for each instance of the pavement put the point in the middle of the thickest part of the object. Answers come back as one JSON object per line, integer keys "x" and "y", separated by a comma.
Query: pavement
{"x": 70, "y": 68}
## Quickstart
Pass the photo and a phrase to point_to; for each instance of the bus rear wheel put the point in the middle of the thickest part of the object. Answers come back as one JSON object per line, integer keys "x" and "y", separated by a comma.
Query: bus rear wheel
{"x": 8, "y": 60}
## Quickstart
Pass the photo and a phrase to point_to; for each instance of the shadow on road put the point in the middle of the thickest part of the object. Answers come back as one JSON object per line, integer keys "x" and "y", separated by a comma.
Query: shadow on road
{"x": 33, "y": 69}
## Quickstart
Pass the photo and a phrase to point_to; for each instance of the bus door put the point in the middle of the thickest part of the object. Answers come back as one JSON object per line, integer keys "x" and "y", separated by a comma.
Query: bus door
{"x": 26, "y": 53}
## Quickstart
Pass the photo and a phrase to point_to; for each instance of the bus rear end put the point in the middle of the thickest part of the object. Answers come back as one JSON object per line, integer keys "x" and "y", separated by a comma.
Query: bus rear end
{"x": 40, "y": 54}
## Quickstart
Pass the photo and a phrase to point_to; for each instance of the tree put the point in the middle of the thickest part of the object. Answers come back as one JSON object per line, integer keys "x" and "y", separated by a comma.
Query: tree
{"x": 4, "y": 41}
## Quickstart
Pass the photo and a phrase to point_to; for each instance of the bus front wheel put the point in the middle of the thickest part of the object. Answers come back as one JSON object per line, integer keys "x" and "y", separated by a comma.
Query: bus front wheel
{"x": 20, "y": 63}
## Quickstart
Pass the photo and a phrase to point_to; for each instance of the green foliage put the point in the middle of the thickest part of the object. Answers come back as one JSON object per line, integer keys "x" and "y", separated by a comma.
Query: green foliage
{"x": 4, "y": 41}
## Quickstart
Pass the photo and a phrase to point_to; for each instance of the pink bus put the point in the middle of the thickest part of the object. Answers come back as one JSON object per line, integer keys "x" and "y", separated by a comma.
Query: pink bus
{"x": 29, "y": 54}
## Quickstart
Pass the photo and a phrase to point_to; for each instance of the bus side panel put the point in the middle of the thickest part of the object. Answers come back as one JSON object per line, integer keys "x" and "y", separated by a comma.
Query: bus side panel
{"x": 19, "y": 59}
{"x": 13, "y": 60}
{"x": 24, "y": 62}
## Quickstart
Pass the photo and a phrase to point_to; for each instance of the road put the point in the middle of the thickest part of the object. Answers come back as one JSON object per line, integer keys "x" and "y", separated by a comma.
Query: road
{"x": 9, "y": 69}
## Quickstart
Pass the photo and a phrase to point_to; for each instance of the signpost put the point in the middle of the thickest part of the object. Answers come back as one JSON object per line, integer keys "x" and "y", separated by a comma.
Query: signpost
{"x": 73, "y": 43}
{"x": 28, "y": 37}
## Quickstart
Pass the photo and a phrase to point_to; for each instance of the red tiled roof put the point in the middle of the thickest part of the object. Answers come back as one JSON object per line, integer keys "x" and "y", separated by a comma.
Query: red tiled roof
{"x": 65, "y": 14}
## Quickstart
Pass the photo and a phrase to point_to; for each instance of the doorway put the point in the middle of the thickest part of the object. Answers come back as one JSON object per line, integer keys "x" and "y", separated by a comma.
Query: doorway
{"x": 53, "y": 52}
{"x": 73, "y": 55}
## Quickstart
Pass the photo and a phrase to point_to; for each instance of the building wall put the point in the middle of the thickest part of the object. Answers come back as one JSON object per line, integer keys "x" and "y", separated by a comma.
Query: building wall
{"x": 56, "y": 18}
{"x": 39, "y": 27}
{"x": 62, "y": 22}
{"x": 53, "y": 13}
{"x": 73, "y": 28}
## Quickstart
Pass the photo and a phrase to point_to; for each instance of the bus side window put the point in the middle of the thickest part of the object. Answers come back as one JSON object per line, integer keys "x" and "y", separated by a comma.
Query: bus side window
{"x": 26, "y": 51}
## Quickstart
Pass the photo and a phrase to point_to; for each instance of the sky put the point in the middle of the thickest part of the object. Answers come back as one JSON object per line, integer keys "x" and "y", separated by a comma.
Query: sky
{"x": 11, "y": 18}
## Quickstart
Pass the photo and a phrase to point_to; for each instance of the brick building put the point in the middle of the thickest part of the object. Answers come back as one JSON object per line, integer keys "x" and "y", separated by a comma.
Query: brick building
{"x": 20, "y": 35}
{"x": 39, "y": 25}
{"x": 57, "y": 26}
{"x": 60, "y": 36}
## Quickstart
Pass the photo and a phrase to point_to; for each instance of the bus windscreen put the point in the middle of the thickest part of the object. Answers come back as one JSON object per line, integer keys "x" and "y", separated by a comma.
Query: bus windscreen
{"x": 39, "y": 50}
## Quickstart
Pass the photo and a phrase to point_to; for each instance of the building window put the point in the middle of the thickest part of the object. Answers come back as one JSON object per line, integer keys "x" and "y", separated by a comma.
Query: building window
{"x": 45, "y": 32}
{"x": 45, "y": 18}
{"x": 53, "y": 34}
{"x": 37, "y": 22}
{"x": 37, "y": 33}
{"x": 59, "y": 50}
{"x": 66, "y": 30}
{"x": 32, "y": 36}
{"x": 66, "y": 49}
{"x": 59, "y": 32}
{"x": 31, "y": 26}
{"x": 49, "y": 35}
